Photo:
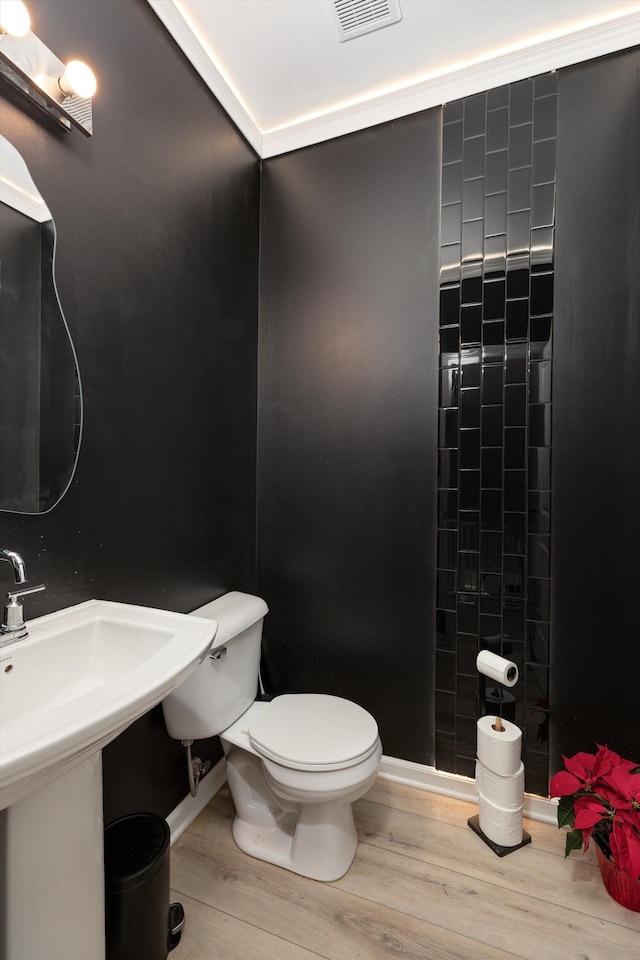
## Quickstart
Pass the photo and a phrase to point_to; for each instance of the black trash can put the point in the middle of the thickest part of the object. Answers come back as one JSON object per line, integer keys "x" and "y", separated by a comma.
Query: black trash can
{"x": 137, "y": 915}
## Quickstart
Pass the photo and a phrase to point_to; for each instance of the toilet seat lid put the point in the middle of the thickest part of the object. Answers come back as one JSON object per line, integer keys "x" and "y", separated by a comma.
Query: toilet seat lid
{"x": 313, "y": 731}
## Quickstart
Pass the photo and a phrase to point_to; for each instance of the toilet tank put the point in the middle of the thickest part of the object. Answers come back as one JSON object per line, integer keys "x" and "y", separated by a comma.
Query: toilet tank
{"x": 225, "y": 684}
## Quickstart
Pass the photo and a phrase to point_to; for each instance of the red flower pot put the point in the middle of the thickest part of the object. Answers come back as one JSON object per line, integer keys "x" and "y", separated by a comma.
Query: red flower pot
{"x": 618, "y": 883}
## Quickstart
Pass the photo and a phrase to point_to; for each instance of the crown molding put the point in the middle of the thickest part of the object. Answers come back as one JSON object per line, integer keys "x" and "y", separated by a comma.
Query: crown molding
{"x": 195, "y": 52}
{"x": 506, "y": 66}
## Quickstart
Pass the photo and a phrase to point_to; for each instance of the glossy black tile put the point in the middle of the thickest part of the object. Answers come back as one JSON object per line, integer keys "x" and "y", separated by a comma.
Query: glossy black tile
{"x": 539, "y": 468}
{"x": 492, "y": 390}
{"x": 465, "y": 766}
{"x": 448, "y": 428}
{"x": 540, "y": 338}
{"x": 473, "y": 158}
{"x": 540, "y": 424}
{"x": 470, "y": 408}
{"x": 472, "y": 290}
{"x": 490, "y": 632}
{"x": 450, "y": 259}
{"x": 446, "y": 590}
{"x": 513, "y": 577}
{"x": 449, "y": 306}
{"x": 445, "y": 748}
{"x": 448, "y": 509}
{"x": 497, "y": 129}
{"x": 513, "y": 621}
{"x": 449, "y": 339}
{"x": 537, "y": 650}
{"x": 515, "y": 533}
{"x": 543, "y": 198}
{"x": 467, "y": 613}
{"x": 473, "y": 199}
{"x": 518, "y": 239}
{"x": 445, "y": 704}
{"x": 496, "y": 172}
{"x": 472, "y": 240}
{"x": 517, "y": 324}
{"x": 466, "y": 736}
{"x": 469, "y": 449}
{"x": 519, "y": 189}
{"x": 467, "y": 704}
{"x": 448, "y": 469}
{"x": 470, "y": 366}
{"x": 545, "y": 84}
{"x": 515, "y": 405}
{"x": 454, "y": 110}
{"x": 470, "y": 325}
{"x": 492, "y": 426}
{"x": 445, "y": 670}
{"x": 539, "y": 556}
{"x": 491, "y": 510}
{"x": 542, "y": 249}
{"x": 494, "y": 292}
{"x": 544, "y": 161}
{"x": 452, "y": 142}
{"x": 495, "y": 214}
{"x": 490, "y": 592}
{"x": 449, "y": 378}
{"x": 516, "y": 363}
{"x": 537, "y": 685}
{"x": 469, "y": 490}
{"x": 493, "y": 353}
{"x": 452, "y": 183}
{"x": 491, "y": 552}
{"x": 541, "y": 294}
{"x": 515, "y": 447}
{"x": 445, "y": 629}
{"x": 520, "y": 144}
{"x": 451, "y": 223}
{"x": 520, "y": 102}
{"x": 468, "y": 564}
{"x": 474, "y": 115}
{"x": 491, "y": 468}
{"x": 545, "y": 118}
{"x": 539, "y": 512}
{"x": 448, "y": 359}
{"x": 498, "y": 97}
{"x": 493, "y": 333}
{"x": 540, "y": 381}
{"x": 538, "y": 599}
{"x": 515, "y": 490}
{"x": 447, "y": 549}
{"x": 495, "y": 256}
{"x": 468, "y": 538}
{"x": 517, "y": 283}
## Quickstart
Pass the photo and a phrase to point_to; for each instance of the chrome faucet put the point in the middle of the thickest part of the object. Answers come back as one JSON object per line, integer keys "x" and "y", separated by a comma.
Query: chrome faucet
{"x": 13, "y": 626}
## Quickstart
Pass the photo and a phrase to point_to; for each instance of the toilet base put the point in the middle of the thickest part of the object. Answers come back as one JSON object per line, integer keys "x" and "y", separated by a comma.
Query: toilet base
{"x": 318, "y": 842}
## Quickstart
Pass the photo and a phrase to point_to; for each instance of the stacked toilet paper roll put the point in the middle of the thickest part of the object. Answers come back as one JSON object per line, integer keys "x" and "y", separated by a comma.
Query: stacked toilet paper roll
{"x": 500, "y": 781}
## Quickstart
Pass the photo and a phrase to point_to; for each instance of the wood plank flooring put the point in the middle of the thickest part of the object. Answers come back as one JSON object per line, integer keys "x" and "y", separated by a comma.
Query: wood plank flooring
{"x": 423, "y": 886}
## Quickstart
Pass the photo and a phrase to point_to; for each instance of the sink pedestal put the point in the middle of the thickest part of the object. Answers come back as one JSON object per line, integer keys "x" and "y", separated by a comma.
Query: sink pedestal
{"x": 52, "y": 870}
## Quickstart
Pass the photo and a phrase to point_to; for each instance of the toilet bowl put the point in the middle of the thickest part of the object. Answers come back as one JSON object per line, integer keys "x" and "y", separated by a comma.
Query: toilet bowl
{"x": 295, "y": 765}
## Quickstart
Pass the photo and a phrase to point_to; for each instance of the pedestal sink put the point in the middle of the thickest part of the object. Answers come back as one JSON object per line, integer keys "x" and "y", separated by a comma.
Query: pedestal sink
{"x": 78, "y": 680}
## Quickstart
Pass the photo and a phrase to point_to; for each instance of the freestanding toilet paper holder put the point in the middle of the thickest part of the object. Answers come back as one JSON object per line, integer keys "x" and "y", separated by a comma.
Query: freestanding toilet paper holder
{"x": 502, "y": 671}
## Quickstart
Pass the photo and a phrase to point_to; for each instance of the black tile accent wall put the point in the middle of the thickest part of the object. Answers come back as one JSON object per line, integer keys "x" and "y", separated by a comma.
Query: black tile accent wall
{"x": 494, "y": 463}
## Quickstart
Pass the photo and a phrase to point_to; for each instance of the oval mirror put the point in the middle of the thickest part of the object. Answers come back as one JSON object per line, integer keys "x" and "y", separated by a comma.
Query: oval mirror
{"x": 40, "y": 396}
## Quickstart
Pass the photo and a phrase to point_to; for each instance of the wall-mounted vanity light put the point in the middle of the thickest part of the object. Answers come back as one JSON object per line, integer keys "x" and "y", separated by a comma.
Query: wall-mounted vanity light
{"x": 63, "y": 92}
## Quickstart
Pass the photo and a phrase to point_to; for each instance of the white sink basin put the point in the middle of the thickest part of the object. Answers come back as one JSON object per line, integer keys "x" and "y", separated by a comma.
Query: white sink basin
{"x": 80, "y": 678}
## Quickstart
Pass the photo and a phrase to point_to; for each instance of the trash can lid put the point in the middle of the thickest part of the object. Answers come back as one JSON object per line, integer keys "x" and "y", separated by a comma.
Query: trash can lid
{"x": 133, "y": 844}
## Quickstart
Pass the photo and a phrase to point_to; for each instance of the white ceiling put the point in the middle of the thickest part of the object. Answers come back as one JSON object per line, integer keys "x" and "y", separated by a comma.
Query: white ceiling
{"x": 281, "y": 72}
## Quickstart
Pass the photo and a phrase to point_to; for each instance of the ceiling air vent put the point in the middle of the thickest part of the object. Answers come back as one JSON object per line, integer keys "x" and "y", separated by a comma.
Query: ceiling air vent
{"x": 356, "y": 17}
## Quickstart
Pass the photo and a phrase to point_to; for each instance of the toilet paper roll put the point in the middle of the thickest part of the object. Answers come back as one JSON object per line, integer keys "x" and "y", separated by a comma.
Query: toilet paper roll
{"x": 500, "y": 825}
{"x": 499, "y": 752}
{"x": 507, "y": 792}
{"x": 497, "y": 668}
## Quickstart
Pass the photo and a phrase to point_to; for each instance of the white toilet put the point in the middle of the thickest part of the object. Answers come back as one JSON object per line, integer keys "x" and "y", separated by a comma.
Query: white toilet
{"x": 294, "y": 765}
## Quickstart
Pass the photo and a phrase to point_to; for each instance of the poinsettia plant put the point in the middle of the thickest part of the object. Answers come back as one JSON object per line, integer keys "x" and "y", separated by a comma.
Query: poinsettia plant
{"x": 600, "y": 798}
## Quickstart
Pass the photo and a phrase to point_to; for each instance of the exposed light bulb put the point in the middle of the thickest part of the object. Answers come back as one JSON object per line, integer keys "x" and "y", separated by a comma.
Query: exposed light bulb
{"x": 14, "y": 18}
{"x": 78, "y": 80}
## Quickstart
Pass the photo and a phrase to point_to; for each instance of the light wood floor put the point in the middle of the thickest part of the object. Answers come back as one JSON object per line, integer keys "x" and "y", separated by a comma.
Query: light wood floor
{"x": 422, "y": 885}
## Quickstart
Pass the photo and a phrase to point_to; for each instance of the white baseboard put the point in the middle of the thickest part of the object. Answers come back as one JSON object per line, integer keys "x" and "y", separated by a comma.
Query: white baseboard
{"x": 401, "y": 771}
{"x": 462, "y": 788}
{"x": 189, "y": 808}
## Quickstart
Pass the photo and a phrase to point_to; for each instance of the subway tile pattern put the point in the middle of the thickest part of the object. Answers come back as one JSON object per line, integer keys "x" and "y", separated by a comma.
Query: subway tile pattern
{"x": 494, "y": 457}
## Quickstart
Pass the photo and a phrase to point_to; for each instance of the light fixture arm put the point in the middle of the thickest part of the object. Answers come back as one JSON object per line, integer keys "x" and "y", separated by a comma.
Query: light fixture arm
{"x": 32, "y": 68}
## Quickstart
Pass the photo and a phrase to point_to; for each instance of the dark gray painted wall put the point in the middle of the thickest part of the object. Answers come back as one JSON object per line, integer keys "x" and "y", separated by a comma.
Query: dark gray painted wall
{"x": 157, "y": 219}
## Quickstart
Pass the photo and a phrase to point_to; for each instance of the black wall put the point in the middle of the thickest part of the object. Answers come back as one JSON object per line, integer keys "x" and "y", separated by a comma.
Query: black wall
{"x": 595, "y": 566}
{"x": 157, "y": 270}
{"x": 348, "y": 423}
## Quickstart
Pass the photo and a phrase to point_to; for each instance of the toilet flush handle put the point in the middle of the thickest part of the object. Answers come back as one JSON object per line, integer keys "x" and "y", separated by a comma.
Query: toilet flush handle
{"x": 218, "y": 654}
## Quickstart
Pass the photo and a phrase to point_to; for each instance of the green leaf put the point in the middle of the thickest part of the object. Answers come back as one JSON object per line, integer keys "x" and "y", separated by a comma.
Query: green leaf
{"x": 574, "y": 842}
{"x": 566, "y": 813}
